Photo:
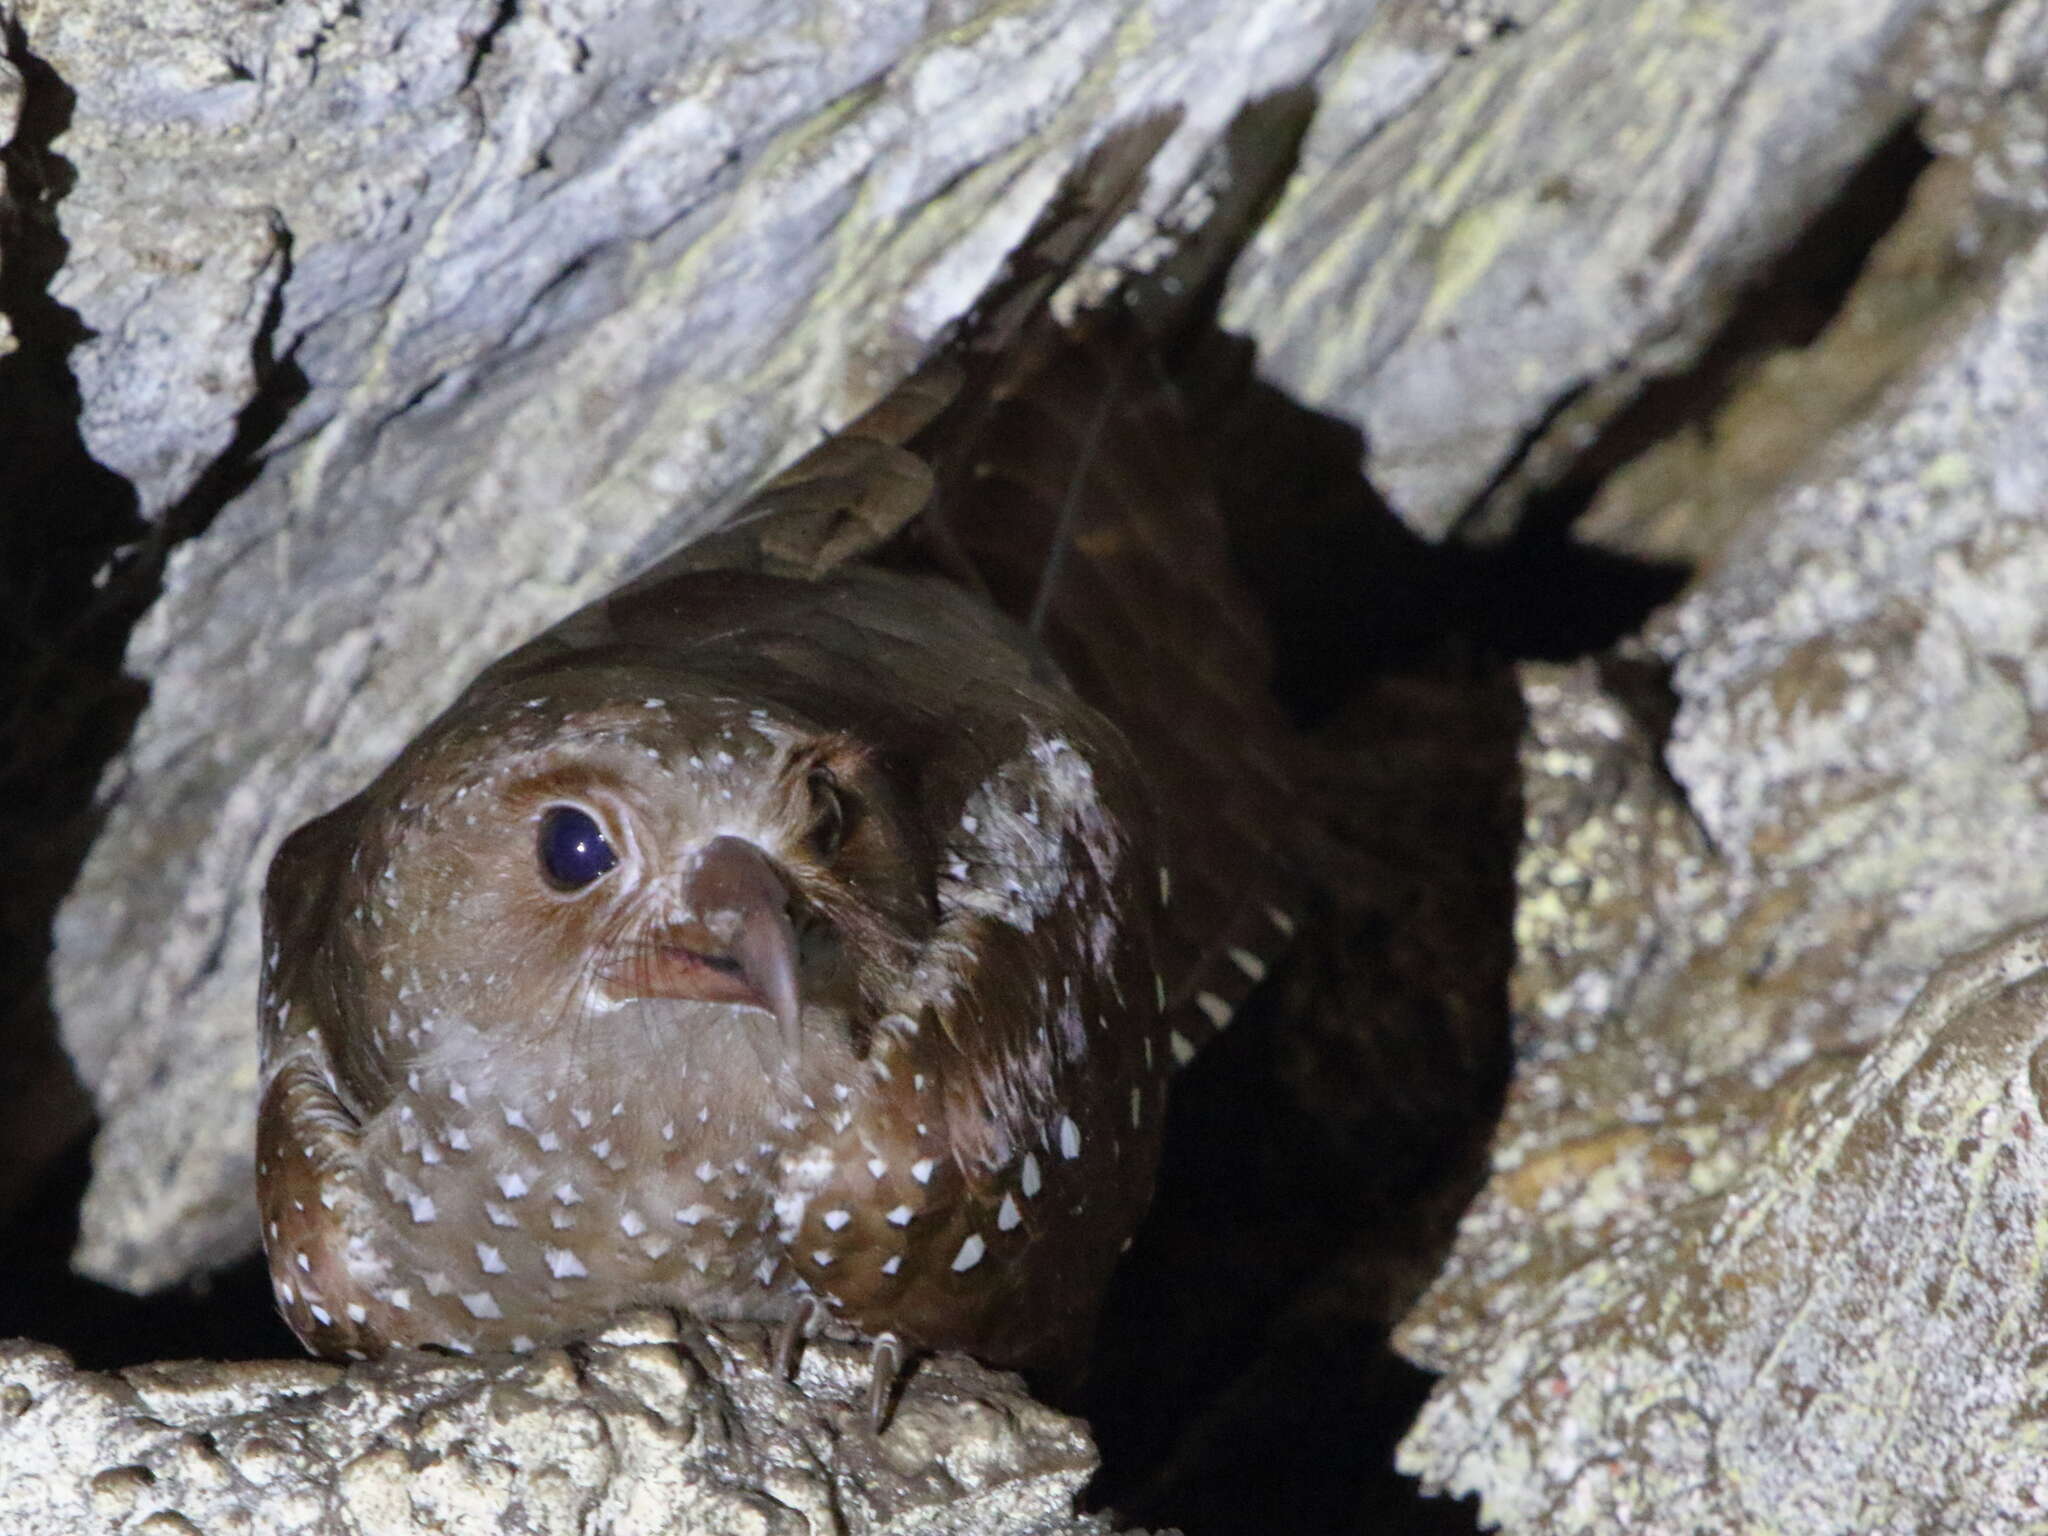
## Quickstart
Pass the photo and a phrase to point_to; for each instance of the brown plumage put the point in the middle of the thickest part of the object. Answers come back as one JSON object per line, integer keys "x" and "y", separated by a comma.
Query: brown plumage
{"x": 796, "y": 937}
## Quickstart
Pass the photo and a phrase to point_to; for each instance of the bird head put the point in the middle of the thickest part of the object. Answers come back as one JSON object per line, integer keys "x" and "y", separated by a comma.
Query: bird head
{"x": 652, "y": 869}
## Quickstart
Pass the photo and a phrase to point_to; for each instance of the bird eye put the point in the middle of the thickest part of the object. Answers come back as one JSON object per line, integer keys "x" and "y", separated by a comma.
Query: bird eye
{"x": 830, "y": 813}
{"x": 573, "y": 850}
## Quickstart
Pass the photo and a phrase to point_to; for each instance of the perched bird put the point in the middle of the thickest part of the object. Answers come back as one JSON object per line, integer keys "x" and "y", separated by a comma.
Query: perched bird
{"x": 806, "y": 932}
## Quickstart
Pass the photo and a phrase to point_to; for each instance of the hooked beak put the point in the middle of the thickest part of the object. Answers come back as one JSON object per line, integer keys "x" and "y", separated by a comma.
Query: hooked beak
{"x": 737, "y": 945}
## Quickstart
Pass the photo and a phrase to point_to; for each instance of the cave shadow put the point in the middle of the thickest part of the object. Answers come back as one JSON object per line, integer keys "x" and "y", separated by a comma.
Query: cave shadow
{"x": 79, "y": 565}
{"x": 64, "y": 705}
{"x": 1318, "y": 1154}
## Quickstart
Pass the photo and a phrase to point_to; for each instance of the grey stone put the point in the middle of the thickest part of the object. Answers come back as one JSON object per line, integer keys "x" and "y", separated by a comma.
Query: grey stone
{"x": 1546, "y": 208}
{"x": 1759, "y": 1244}
{"x": 653, "y": 1428}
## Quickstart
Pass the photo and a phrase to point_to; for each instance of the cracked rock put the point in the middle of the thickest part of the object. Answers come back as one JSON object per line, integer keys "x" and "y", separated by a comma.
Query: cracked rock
{"x": 652, "y": 1428}
{"x": 1562, "y": 202}
{"x": 1759, "y": 1246}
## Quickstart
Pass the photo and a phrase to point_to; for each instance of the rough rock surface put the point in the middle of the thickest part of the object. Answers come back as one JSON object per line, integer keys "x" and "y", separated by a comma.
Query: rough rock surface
{"x": 1759, "y": 1252}
{"x": 651, "y": 1429}
{"x": 1560, "y": 199}
{"x": 1839, "y": 1337}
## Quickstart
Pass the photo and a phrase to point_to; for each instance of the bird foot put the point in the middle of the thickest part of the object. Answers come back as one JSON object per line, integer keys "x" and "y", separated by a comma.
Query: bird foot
{"x": 885, "y": 1364}
{"x": 789, "y": 1339}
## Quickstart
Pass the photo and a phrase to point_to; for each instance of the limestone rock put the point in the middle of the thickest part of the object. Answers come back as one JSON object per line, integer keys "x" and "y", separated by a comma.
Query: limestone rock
{"x": 1539, "y": 206}
{"x": 652, "y": 1428}
{"x": 1759, "y": 1245}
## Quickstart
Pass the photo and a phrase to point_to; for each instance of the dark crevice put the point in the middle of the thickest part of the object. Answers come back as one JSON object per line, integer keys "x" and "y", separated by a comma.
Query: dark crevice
{"x": 486, "y": 40}
{"x": 280, "y": 387}
{"x": 1318, "y": 1153}
{"x": 79, "y": 565}
{"x": 1789, "y": 305}
{"x": 226, "y": 1315}
{"x": 64, "y": 705}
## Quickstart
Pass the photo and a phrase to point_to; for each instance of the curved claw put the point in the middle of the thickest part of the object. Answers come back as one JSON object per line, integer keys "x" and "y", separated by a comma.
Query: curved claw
{"x": 885, "y": 1362}
{"x": 789, "y": 1338}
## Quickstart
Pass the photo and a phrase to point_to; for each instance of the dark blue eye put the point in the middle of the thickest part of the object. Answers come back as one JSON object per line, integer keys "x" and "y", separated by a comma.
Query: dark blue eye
{"x": 573, "y": 851}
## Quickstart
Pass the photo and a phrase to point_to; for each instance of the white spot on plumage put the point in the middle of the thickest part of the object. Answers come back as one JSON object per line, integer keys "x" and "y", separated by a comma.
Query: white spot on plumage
{"x": 1281, "y": 921}
{"x": 705, "y": 1172}
{"x": 1070, "y": 1137}
{"x": 690, "y": 1215}
{"x": 357, "y": 1312}
{"x": 568, "y": 1194}
{"x": 515, "y": 1118}
{"x": 564, "y": 1265}
{"x": 1137, "y": 1107}
{"x": 900, "y": 1217}
{"x": 1214, "y": 1006}
{"x": 1165, "y": 885}
{"x": 1009, "y": 1215}
{"x": 458, "y": 1138}
{"x": 1183, "y": 1049}
{"x": 894, "y": 1263}
{"x": 601, "y": 1149}
{"x": 1031, "y": 1181}
{"x": 320, "y": 1313}
{"x": 513, "y": 1185}
{"x": 500, "y": 1217}
{"x": 401, "y": 1299}
{"x": 921, "y": 1170}
{"x": 521, "y": 1344}
{"x": 305, "y": 1264}
{"x": 822, "y": 1257}
{"x": 835, "y": 1220}
{"x": 1253, "y": 967}
{"x": 549, "y": 1141}
{"x": 489, "y": 1259}
{"x": 970, "y": 1253}
{"x": 482, "y": 1304}
{"x": 877, "y": 1168}
{"x": 632, "y": 1223}
{"x": 422, "y": 1208}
